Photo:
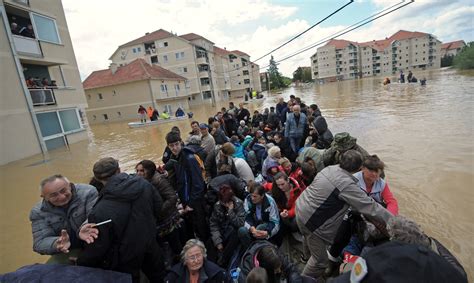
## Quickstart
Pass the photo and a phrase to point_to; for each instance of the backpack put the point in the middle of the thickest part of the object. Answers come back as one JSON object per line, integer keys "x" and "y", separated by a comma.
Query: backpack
{"x": 201, "y": 165}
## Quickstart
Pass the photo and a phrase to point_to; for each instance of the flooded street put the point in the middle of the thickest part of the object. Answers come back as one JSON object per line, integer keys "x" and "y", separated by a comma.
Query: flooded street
{"x": 423, "y": 134}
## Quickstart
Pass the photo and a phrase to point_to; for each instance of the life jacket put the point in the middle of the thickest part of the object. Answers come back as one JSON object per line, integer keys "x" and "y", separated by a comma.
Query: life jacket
{"x": 377, "y": 188}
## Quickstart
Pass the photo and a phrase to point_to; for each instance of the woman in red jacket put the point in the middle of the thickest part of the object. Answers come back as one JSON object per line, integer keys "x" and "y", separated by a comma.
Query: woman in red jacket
{"x": 285, "y": 191}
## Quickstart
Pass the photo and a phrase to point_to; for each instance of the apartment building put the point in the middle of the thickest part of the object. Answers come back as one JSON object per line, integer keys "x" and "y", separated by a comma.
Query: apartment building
{"x": 211, "y": 72}
{"x": 47, "y": 111}
{"x": 404, "y": 50}
{"x": 452, "y": 48}
{"x": 115, "y": 94}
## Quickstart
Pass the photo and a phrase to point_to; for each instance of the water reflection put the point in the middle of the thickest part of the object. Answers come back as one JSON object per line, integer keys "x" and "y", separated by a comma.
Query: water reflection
{"x": 424, "y": 135}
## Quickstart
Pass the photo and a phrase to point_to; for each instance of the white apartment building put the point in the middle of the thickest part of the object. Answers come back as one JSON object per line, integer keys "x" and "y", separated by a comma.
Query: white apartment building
{"x": 452, "y": 48}
{"x": 211, "y": 72}
{"x": 47, "y": 111}
{"x": 404, "y": 50}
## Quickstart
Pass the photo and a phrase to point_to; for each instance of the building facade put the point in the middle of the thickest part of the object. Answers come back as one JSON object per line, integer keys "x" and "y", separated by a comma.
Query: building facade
{"x": 43, "y": 100}
{"x": 212, "y": 73}
{"x": 115, "y": 94}
{"x": 403, "y": 51}
{"x": 452, "y": 48}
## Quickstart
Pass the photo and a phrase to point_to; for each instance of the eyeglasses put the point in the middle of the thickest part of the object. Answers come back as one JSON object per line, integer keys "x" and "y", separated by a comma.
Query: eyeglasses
{"x": 194, "y": 257}
{"x": 56, "y": 194}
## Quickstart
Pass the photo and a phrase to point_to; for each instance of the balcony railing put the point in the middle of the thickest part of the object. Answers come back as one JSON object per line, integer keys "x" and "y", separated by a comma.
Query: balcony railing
{"x": 27, "y": 46}
{"x": 42, "y": 96}
{"x": 205, "y": 87}
{"x": 201, "y": 60}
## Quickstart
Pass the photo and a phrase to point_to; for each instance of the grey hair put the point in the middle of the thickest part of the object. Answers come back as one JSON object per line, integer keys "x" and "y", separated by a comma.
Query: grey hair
{"x": 406, "y": 230}
{"x": 51, "y": 179}
{"x": 273, "y": 150}
{"x": 190, "y": 244}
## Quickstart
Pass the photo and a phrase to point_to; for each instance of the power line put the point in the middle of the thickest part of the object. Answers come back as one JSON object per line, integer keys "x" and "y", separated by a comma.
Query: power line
{"x": 301, "y": 33}
{"x": 339, "y": 33}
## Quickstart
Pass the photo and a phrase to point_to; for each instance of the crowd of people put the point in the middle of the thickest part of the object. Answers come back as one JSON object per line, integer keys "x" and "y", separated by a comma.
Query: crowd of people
{"x": 228, "y": 194}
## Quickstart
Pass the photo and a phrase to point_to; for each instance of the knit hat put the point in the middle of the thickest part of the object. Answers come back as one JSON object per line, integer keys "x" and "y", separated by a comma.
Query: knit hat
{"x": 105, "y": 168}
{"x": 172, "y": 137}
{"x": 401, "y": 262}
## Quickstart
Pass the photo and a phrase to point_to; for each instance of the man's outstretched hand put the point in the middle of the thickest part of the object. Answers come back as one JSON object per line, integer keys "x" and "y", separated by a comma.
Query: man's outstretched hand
{"x": 63, "y": 243}
{"x": 88, "y": 233}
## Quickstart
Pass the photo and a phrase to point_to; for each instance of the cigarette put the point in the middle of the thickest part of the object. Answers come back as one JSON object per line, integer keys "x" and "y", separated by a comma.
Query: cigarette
{"x": 102, "y": 223}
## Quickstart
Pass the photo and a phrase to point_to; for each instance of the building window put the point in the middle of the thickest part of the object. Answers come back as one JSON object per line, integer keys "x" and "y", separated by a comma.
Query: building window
{"x": 246, "y": 81}
{"x": 56, "y": 124}
{"x": 168, "y": 108}
{"x": 94, "y": 117}
{"x": 114, "y": 93}
{"x": 139, "y": 49}
{"x": 245, "y": 72}
{"x": 165, "y": 44}
{"x": 154, "y": 59}
{"x": 206, "y": 95}
{"x": 164, "y": 88}
{"x": 134, "y": 50}
{"x": 179, "y": 55}
{"x": 185, "y": 69}
{"x": 165, "y": 58}
{"x": 89, "y": 96}
{"x": 105, "y": 117}
{"x": 119, "y": 114}
{"x": 99, "y": 96}
{"x": 46, "y": 29}
{"x": 176, "y": 88}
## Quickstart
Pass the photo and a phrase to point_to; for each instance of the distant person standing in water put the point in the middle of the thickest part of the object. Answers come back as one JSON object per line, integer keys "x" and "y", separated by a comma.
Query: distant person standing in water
{"x": 142, "y": 114}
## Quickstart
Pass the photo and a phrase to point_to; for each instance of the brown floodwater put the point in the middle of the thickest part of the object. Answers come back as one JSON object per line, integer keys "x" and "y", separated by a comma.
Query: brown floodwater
{"x": 423, "y": 134}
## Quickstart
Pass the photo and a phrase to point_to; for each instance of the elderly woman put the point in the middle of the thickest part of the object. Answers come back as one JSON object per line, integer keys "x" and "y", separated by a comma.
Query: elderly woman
{"x": 195, "y": 267}
{"x": 270, "y": 164}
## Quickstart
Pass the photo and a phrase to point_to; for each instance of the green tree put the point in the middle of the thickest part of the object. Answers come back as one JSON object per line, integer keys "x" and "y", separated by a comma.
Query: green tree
{"x": 465, "y": 59}
{"x": 447, "y": 60}
{"x": 298, "y": 74}
{"x": 302, "y": 74}
{"x": 276, "y": 80}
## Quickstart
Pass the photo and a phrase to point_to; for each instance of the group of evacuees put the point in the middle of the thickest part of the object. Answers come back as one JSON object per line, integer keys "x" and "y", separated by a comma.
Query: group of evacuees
{"x": 228, "y": 195}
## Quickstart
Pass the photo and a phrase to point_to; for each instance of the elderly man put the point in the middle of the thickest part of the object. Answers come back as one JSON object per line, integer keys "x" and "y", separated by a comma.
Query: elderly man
{"x": 207, "y": 140}
{"x": 295, "y": 125}
{"x": 127, "y": 243}
{"x": 320, "y": 209}
{"x": 56, "y": 219}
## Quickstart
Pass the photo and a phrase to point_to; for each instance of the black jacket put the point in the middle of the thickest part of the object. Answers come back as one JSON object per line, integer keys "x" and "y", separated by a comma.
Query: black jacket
{"x": 325, "y": 136}
{"x": 286, "y": 150}
{"x": 243, "y": 114}
{"x": 213, "y": 272}
{"x": 289, "y": 270}
{"x": 133, "y": 205}
{"x": 210, "y": 165}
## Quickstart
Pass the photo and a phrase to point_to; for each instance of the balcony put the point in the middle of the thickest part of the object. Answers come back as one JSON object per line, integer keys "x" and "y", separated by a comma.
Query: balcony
{"x": 206, "y": 87}
{"x": 27, "y": 46}
{"x": 42, "y": 97}
{"x": 202, "y": 60}
{"x": 203, "y": 74}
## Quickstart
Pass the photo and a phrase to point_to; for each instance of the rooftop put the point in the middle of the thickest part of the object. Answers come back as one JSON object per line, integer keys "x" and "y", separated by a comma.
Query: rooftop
{"x": 149, "y": 37}
{"x": 192, "y": 36}
{"x": 136, "y": 70}
{"x": 453, "y": 44}
{"x": 220, "y": 51}
{"x": 340, "y": 43}
{"x": 240, "y": 53}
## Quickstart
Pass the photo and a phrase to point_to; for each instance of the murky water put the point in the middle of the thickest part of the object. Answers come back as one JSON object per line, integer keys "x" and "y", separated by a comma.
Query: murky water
{"x": 424, "y": 135}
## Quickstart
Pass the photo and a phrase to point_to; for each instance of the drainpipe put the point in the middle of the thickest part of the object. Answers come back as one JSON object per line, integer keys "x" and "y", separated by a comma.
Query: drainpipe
{"x": 19, "y": 70}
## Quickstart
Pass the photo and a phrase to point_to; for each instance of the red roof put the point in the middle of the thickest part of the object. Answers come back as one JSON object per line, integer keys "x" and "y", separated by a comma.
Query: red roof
{"x": 403, "y": 34}
{"x": 220, "y": 51}
{"x": 340, "y": 43}
{"x": 136, "y": 70}
{"x": 156, "y": 35}
{"x": 378, "y": 45}
{"x": 240, "y": 53}
{"x": 453, "y": 45}
{"x": 192, "y": 36}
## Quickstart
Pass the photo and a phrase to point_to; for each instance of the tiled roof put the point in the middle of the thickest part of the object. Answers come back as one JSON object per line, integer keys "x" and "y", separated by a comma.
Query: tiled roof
{"x": 192, "y": 36}
{"x": 378, "y": 45}
{"x": 136, "y": 70}
{"x": 156, "y": 35}
{"x": 220, "y": 51}
{"x": 240, "y": 53}
{"x": 340, "y": 43}
{"x": 403, "y": 34}
{"x": 453, "y": 44}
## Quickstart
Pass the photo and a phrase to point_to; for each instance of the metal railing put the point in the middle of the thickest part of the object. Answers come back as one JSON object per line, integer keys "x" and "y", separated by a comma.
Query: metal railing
{"x": 42, "y": 96}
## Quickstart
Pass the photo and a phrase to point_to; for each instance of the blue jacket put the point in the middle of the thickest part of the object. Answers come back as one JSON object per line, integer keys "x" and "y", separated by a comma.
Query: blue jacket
{"x": 189, "y": 181}
{"x": 270, "y": 215}
{"x": 291, "y": 129}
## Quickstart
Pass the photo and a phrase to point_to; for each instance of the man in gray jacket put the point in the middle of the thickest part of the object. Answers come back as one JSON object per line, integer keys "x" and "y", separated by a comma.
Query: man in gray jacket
{"x": 55, "y": 221}
{"x": 321, "y": 207}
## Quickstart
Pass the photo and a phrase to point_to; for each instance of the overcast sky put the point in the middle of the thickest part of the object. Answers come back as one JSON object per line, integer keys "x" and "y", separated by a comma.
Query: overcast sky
{"x": 97, "y": 28}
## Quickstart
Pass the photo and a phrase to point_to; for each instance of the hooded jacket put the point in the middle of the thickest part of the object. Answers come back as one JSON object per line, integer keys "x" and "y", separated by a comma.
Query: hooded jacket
{"x": 249, "y": 259}
{"x": 222, "y": 220}
{"x": 133, "y": 205}
{"x": 325, "y": 136}
{"x": 189, "y": 181}
{"x": 286, "y": 150}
